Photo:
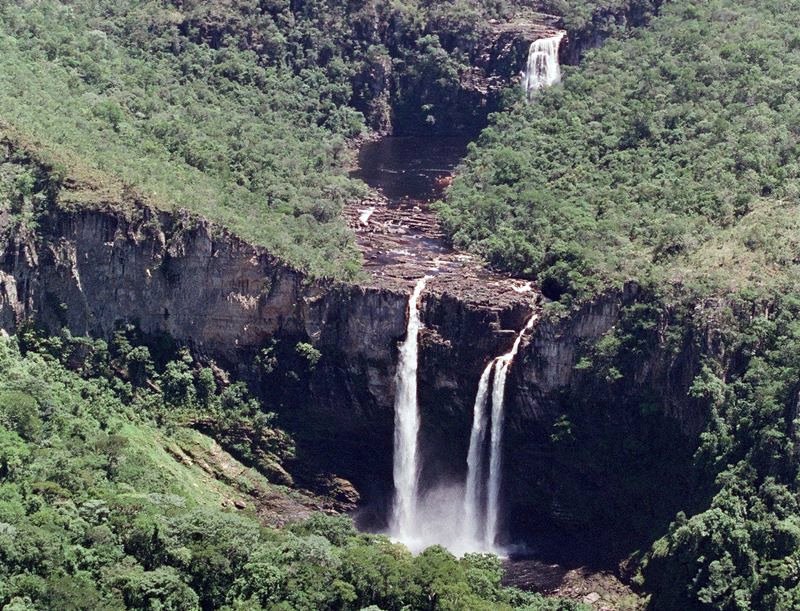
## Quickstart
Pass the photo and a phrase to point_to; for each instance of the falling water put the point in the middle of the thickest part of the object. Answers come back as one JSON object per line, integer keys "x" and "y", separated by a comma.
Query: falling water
{"x": 501, "y": 366}
{"x": 421, "y": 521}
{"x": 543, "y": 69}
{"x": 406, "y": 427}
{"x": 473, "y": 524}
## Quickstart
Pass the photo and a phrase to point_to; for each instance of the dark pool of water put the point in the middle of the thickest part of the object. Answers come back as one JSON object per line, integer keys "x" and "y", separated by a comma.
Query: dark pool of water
{"x": 409, "y": 166}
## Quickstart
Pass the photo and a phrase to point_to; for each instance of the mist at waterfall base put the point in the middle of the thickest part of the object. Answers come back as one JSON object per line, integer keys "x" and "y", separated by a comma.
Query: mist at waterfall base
{"x": 461, "y": 516}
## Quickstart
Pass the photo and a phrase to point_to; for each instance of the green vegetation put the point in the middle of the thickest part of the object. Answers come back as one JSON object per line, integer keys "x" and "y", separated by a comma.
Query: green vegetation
{"x": 735, "y": 541}
{"x": 117, "y": 87}
{"x": 241, "y": 111}
{"x": 669, "y": 156}
{"x": 743, "y": 552}
{"x": 106, "y": 502}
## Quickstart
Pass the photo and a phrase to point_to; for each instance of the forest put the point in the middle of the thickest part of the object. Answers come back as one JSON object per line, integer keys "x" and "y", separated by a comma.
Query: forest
{"x": 669, "y": 156}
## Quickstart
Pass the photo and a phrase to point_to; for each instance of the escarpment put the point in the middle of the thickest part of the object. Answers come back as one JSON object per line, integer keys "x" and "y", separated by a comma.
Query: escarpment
{"x": 323, "y": 354}
{"x": 90, "y": 270}
{"x": 93, "y": 269}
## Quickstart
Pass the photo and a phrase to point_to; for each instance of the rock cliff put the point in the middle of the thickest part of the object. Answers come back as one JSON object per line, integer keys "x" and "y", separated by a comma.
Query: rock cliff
{"x": 91, "y": 270}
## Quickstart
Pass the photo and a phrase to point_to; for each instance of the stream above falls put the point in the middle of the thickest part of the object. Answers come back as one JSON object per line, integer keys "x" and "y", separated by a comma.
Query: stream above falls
{"x": 410, "y": 168}
{"x": 398, "y": 232}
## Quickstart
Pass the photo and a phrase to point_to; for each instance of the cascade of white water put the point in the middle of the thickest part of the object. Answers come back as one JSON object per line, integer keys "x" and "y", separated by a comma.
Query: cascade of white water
{"x": 473, "y": 523}
{"x": 543, "y": 69}
{"x": 406, "y": 426}
{"x": 501, "y": 366}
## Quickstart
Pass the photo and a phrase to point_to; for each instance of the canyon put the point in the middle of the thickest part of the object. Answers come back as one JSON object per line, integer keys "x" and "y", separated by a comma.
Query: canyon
{"x": 179, "y": 277}
{"x": 97, "y": 258}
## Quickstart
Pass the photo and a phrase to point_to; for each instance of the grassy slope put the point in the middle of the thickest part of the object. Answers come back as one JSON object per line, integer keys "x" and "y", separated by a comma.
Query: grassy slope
{"x": 78, "y": 417}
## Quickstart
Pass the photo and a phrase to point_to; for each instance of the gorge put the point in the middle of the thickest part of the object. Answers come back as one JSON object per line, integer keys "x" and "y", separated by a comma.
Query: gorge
{"x": 327, "y": 306}
{"x": 91, "y": 270}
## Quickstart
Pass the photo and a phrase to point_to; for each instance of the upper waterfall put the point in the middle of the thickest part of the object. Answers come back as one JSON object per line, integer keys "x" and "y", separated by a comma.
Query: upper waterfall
{"x": 543, "y": 69}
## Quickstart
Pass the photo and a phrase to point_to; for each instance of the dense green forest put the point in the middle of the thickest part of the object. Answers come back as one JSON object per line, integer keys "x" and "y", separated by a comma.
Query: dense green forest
{"x": 107, "y": 500}
{"x": 735, "y": 541}
{"x": 242, "y": 111}
{"x": 669, "y": 155}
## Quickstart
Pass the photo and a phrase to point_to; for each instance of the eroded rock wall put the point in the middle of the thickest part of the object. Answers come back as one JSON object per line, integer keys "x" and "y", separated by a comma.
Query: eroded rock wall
{"x": 92, "y": 270}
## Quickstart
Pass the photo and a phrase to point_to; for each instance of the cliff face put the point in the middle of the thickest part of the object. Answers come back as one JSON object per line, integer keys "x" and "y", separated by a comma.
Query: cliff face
{"x": 596, "y": 463}
{"x": 92, "y": 270}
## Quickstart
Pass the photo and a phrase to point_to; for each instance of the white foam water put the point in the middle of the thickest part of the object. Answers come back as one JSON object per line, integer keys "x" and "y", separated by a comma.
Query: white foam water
{"x": 543, "y": 69}
{"x": 406, "y": 426}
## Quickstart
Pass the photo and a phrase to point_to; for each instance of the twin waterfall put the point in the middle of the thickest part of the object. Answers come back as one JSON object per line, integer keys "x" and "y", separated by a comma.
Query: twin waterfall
{"x": 501, "y": 366}
{"x": 462, "y": 519}
{"x": 543, "y": 69}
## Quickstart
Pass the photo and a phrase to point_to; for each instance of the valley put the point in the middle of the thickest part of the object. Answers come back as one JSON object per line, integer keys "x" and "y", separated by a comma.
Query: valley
{"x": 459, "y": 305}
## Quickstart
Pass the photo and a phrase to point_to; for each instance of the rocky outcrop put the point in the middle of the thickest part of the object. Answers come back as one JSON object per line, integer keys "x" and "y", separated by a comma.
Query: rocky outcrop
{"x": 417, "y": 103}
{"x": 603, "y": 23}
{"x": 454, "y": 85}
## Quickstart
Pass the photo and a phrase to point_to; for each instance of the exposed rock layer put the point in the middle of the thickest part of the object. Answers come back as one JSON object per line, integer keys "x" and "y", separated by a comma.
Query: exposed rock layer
{"x": 91, "y": 270}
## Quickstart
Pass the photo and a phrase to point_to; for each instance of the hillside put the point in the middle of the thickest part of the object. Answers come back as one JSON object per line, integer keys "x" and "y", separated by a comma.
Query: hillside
{"x": 667, "y": 164}
{"x": 669, "y": 157}
{"x": 241, "y": 111}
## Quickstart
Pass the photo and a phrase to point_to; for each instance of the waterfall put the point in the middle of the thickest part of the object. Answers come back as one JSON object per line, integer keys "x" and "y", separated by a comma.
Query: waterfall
{"x": 431, "y": 519}
{"x": 473, "y": 526}
{"x": 501, "y": 366}
{"x": 543, "y": 69}
{"x": 406, "y": 426}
